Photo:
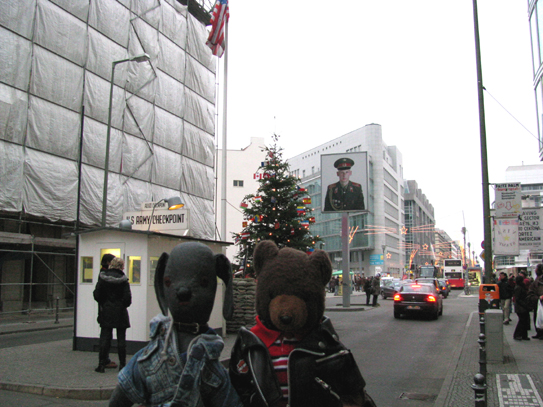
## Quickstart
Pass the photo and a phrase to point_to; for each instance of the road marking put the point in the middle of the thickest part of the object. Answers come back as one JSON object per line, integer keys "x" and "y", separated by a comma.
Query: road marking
{"x": 517, "y": 390}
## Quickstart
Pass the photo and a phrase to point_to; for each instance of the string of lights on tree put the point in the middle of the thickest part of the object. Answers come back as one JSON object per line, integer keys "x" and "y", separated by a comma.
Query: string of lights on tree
{"x": 279, "y": 211}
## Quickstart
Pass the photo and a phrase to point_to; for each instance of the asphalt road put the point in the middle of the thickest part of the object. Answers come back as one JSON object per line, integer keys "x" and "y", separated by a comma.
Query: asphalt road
{"x": 404, "y": 361}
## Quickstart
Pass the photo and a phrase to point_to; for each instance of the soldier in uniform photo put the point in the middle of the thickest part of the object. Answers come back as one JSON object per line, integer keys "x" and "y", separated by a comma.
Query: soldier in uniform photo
{"x": 344, "y": 195}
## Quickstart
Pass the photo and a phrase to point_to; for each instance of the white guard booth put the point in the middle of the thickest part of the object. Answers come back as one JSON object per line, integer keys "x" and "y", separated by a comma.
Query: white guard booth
{"x": 140, "y": 251}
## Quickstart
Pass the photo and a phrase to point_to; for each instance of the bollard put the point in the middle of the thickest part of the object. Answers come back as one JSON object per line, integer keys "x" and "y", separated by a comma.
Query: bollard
{"x": 56, "y": 313}
{"x": 482, "y": 354}
{"x": 479, "y": 387}
{"x": 482, "y": 322}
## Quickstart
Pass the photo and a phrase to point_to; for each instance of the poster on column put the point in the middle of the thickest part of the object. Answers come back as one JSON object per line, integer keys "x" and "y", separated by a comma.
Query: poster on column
{"x": 529, "y": 229}
{"x": 505, "y": 237}
{"x": 508, "y": 200}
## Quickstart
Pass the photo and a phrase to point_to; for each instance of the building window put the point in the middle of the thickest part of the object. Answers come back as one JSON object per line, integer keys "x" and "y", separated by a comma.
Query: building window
{"x": 86, "y": 269}
{"x": 134, "y": 269}
{"x": 238, "y": 183}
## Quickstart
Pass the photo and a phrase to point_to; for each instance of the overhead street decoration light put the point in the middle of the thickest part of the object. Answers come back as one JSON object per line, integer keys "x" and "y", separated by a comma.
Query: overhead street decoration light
{"x": 137, "y": 58}
{"x": 174, "y": 202}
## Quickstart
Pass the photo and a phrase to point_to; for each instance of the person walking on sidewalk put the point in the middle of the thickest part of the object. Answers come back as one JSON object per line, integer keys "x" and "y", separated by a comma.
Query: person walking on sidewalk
{"x": 375, "y": 289}
{"x": 506, "y": 293}
{"x": 536, "y": 288}
{"x": 520, "y": 294}
{"x": 367, "y": 289}
{"x": 113, "y": 295}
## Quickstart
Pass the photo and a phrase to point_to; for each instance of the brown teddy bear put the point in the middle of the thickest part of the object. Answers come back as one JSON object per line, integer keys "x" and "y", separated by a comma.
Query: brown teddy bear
{"x": 293, "y": 356}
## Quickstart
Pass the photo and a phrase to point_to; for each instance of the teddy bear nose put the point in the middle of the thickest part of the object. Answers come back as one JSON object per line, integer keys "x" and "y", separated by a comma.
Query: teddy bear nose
{"x": 286, "y": 319}
{"x": 184, "y": 294}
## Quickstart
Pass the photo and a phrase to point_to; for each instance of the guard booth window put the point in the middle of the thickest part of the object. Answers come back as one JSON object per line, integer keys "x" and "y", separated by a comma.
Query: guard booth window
{"x": 86, "y": 269}
{"x": 134, "y": 269}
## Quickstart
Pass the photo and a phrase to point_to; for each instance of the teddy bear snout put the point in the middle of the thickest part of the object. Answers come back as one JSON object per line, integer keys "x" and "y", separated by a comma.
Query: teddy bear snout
{"x": 285, "y": 319}
{"x": 184, "y": 294}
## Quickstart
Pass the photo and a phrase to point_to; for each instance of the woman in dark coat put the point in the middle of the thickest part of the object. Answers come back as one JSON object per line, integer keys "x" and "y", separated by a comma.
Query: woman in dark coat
{"x": 113, "y": 295}
{"x": 520, "y": 293}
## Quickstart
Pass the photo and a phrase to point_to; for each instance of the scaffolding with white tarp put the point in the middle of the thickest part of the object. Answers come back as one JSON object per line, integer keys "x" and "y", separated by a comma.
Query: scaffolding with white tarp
{"x": 56, "y": 60}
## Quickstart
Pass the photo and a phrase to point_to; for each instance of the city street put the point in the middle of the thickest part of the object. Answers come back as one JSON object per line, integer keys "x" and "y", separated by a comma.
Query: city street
{"x": 406, "y": 357}
{"x": 404, "y": 362}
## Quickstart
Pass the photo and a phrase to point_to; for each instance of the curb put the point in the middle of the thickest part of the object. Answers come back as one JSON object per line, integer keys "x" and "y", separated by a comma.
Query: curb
{"x": 35, "y": 329}
{"x": 442, "y": 396}
{"x": 100, "y": 393}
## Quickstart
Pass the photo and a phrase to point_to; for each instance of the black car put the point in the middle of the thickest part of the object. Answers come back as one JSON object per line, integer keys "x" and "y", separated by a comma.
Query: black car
{"x": 428, "y": 280}
{"x": 390, "y": 289}
{"x": 444, "y": 287}
{"x": 418, "y": 299}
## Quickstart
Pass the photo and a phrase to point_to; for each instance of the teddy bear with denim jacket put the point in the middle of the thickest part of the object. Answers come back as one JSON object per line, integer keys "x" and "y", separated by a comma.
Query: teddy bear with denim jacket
{"x": 180, "y": 365}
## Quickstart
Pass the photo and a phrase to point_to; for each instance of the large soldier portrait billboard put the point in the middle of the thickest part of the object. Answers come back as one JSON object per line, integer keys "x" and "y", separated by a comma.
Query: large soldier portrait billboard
{"x": 344, "y": 182}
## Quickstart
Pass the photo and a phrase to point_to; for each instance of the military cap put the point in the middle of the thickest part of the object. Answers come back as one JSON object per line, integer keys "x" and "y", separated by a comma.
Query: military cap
{"x": 344, "y": 164}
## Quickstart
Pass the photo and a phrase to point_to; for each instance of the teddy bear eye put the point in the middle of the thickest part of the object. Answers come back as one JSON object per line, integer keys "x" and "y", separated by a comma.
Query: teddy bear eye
{"x": 167, "y": 281}
{"x": 204, "y": 282}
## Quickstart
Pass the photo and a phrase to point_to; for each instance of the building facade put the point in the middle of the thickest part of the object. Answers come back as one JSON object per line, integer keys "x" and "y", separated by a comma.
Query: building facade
{"x": 445, "y": 247}
{"x": 376, "y": 242}
{"x": 419, "y": 228}
{"x": 531, "y": 180}
{"x": 69, "y": 85}
{"x": 535, "y": 16}
{"x": 241, "y": 179}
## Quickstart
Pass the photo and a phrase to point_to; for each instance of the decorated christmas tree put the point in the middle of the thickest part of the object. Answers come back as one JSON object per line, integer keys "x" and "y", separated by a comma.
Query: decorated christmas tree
{"x": 279, "y": 211}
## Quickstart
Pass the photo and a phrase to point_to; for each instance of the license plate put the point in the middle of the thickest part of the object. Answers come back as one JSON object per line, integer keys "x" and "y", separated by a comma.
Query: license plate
{"x": 413, "y": 307}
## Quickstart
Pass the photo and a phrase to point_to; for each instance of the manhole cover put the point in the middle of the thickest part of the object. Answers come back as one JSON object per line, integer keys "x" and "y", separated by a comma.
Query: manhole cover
{"x": 417, "y": 396}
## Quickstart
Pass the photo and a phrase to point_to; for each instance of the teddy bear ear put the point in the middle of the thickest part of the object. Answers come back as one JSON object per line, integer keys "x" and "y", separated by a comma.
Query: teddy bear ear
{"x": 265, "y": 250}
{"x": 321, "y": 263}
{"x": 159, "y": 282}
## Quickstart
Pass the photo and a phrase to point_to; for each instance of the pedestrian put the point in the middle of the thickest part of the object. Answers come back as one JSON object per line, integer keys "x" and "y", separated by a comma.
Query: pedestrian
{"x": 520, "y": 294}
{"x": 333, "y": 285}
{"x": 506, "y": 293}
{"x": 113, "y": 295}
{"x": 104, "y": 266}
{"x": 536, "y": 289}
{"x": 367, "y": 289}
{"x": 375, "y": 289}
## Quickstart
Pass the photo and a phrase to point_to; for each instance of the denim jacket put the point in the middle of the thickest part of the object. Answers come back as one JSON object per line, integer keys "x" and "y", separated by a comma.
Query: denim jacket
{"x": 158, "y": 375}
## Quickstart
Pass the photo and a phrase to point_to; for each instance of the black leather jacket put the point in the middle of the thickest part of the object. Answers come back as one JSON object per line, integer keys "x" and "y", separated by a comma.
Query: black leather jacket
{"x": 321, "y": 371}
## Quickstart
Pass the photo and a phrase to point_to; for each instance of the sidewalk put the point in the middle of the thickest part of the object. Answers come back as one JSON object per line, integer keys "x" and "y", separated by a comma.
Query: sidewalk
{"x": 516, "y": 382}
{"x": 53, "y": 369}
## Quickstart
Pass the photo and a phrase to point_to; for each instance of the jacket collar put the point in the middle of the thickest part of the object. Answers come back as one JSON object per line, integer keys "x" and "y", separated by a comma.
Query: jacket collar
{"x": 325, "y": 328}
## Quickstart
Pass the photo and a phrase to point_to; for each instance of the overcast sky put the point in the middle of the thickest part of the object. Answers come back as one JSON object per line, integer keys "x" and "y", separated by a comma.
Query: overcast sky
{"x": 314, "y": 71}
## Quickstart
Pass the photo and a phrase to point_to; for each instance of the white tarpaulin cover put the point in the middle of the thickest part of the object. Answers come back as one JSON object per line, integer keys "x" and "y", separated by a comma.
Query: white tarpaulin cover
{"x": 55, "y": 75}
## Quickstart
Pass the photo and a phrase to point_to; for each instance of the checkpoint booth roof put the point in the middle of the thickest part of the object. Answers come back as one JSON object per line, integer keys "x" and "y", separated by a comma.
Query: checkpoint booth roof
{"x": 140, "y": 250}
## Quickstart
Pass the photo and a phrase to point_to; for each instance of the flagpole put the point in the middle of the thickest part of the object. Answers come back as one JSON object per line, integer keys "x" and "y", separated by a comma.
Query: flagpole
{"x": 224, "y": 135}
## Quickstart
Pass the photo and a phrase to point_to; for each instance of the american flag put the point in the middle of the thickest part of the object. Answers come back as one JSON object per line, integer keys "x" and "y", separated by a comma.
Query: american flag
{"x": 220, "y": 16}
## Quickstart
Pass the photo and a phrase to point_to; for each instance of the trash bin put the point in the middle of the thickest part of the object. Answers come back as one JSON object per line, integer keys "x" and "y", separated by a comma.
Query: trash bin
{"x": 489, "y": 297}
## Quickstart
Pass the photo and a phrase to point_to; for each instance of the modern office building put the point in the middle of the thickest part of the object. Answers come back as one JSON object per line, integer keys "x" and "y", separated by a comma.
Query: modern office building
{"x": 241, "y": 179}
{"x": 419, "y": 228}
{"x": 76, "y": 76}
{"x": 376, "y": 242}
{"x": 535, "y": 15}
{"x": 445, "y": 247}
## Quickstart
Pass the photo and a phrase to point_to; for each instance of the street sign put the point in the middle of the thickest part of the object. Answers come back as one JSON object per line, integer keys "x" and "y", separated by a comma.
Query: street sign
{"x": 376, "y": 259}
{"x": 530, "y": 233}
{"x": 508, "y": 200}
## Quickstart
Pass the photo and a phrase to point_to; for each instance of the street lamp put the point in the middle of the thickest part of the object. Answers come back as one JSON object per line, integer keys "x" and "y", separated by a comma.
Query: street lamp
{"x": 137, "y": 58}
{"x": 173, "y": 203}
